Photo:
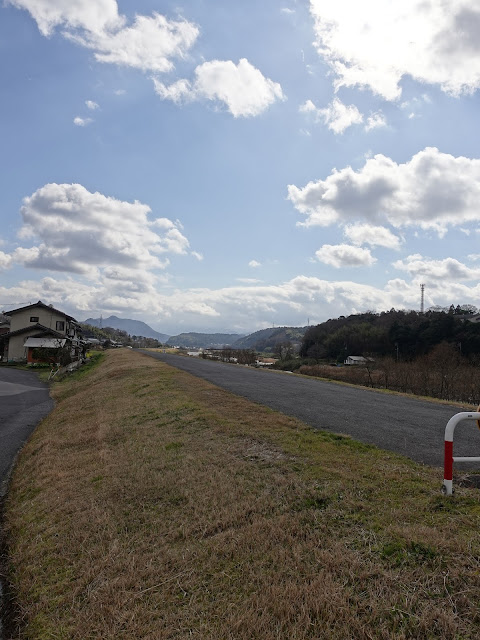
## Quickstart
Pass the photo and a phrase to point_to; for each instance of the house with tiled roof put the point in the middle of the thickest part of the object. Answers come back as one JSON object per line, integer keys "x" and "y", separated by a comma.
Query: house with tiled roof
{"x": 39, "y": 326}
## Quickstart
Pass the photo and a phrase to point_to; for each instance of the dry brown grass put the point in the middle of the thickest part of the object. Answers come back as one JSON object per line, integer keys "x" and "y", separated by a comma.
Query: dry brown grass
{"x": 153, "y": 505}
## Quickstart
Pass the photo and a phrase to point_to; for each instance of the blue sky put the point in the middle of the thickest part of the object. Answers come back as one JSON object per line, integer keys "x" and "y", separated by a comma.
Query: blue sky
{"x": 225, "y": 166}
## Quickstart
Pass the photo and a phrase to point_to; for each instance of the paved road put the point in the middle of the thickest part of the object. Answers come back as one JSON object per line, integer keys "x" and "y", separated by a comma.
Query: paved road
{"x": 412, "y": 427}
{"x": 24, "y": 401}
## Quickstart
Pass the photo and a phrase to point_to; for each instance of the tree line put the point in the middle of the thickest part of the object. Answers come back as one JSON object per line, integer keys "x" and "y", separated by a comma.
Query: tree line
{"x": 401, "y": 335}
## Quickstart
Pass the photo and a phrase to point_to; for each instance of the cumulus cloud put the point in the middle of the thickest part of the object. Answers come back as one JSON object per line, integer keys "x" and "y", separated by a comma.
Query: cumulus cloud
{"x": 375, "y": 121}
{"x": 82, "y": 122}
{"x": 91, "y": 234}
{"x": 337, "y": 116}
{"x": 345, "y": 255}
{"x": 91, "y": 105}
{"x": 374, "y": 236}
{"x": 5, "y": 260}
{"x": 149, "y": 43}
{"x": 82, "y": 14}
{"x": 448, "y": 269}
{"x": 254, "y": 264}
{"x": 374, "y": 44}
{"x": 243, "y": 307}
{"x": 242, "y": 88}
{"x": 433, "y": 190}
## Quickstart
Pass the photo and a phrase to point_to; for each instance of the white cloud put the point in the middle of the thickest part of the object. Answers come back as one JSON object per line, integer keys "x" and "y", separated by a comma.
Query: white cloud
{"x": 432, "y": 191}
{"x": 337, "y": 116}
{"x": 375, "y": 121}
{"x": 374, "y": 236}
{"x": 248, "y": 280}
{"x": 5, "y": 260}
{"x": 179, "y": 91}
{"x": 82, "y": 122}
{"x": 197, "y": 255}
{"x": 91, "y": 105}
{"x": 93, "y": 235}
{"x": 345, "y": 255}
{"x": 374, "y": 44}
{"x": 254, "y": 264}
{"x": 78, "y": 14}
{"x": 243, "y": 308}
{"x": 149, "y": 43}
{"x": 120, "y": 92}
{"x": 448, "y": 269}
{"x": 308, "y": 107}
{"x": 242, "y": 88}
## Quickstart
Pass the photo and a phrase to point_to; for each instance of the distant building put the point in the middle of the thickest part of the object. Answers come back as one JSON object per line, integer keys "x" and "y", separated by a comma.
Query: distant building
{"x": 266, "y": 362}
{"x": 357, "y": 360}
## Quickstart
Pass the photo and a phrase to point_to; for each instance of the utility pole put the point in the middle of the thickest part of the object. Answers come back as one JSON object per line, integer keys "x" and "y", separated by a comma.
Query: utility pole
{"x": 422, "y": 298}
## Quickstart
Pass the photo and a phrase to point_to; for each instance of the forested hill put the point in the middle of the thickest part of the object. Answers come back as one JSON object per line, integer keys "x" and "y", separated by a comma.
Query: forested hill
{"x": 403, "y": 334}
{"x": 266, "y": 339}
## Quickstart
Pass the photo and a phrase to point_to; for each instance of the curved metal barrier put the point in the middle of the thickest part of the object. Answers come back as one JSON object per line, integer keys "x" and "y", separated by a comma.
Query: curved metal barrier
{"x": 449, "y": 458}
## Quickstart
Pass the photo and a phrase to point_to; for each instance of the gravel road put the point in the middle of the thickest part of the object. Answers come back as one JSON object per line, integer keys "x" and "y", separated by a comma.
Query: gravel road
{"x": 409, "y": 426}
{"x": 24, "y": 401}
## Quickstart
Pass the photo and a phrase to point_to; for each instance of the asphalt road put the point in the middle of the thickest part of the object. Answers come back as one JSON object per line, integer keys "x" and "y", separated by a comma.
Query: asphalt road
{"x": 24, "y": 401}
{"x": 409, "y": 426}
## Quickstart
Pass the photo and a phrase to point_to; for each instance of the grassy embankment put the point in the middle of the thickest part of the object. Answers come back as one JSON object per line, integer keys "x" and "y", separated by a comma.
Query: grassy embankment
{"x": 151, "y": 504}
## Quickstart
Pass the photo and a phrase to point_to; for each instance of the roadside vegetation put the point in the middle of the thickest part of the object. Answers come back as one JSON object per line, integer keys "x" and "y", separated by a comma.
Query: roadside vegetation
{"x": 152, "y": 504}
{"x": 443, "y": 373}
{"x": 435, "y": 354}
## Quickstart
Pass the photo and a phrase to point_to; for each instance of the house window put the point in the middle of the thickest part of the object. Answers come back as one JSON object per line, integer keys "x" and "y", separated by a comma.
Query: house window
{"x": 34, "y": 318}
{"x": 60, "y": 326}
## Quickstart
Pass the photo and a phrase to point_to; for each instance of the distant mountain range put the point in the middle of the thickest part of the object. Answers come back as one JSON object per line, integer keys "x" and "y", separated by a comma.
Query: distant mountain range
{"x": 203, "y": 340}
{"x": 263, "y": 340}
{"x": 132, "y": 327}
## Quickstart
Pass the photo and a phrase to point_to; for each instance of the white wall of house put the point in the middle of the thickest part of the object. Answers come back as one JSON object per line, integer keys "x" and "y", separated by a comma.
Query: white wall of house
{"x": 16, "y": 349}
{"x": 46, "y": 317}
{"x": 30, "y": 317}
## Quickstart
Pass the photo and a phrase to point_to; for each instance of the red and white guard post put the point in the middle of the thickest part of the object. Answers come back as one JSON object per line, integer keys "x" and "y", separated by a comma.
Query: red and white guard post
{"x": 449, "y": 457}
